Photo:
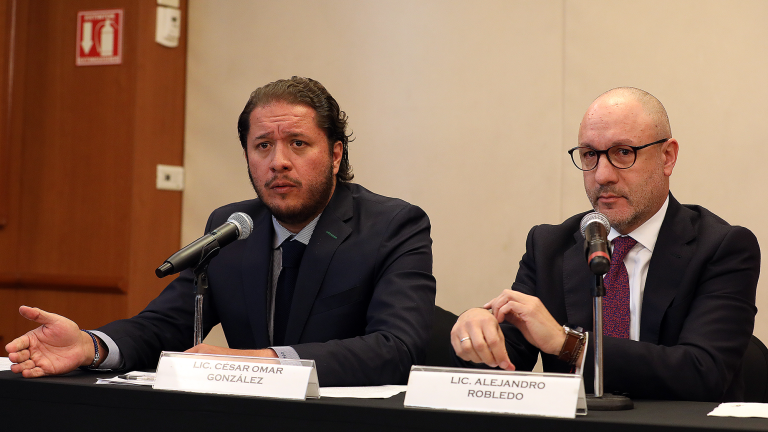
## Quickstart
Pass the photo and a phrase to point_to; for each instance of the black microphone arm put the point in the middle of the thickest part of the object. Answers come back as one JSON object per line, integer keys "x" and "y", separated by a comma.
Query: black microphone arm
{"x": 595, "y": 228}
{"x": 238, "y": 227}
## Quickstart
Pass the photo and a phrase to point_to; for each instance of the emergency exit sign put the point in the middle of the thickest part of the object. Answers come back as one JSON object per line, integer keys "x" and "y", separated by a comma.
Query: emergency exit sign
{"x": 99, "y": 37}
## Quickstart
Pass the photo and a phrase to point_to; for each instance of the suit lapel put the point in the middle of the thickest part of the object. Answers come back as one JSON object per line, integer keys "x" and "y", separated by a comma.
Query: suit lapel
{"x": 671, "y": 256}
{"x": 257, "y": 261}
{"x": 578, "y": 284}
{"x": 330, "y": 232}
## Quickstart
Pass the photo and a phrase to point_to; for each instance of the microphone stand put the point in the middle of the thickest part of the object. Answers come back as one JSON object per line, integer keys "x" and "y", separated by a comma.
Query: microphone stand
{"x": 599, "y": 401}
{"x": 201, "y": 286}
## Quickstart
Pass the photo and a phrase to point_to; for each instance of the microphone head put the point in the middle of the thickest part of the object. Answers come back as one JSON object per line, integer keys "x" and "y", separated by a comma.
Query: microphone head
{"x": 244, "y": 224}
{"x": 594, "y": 217}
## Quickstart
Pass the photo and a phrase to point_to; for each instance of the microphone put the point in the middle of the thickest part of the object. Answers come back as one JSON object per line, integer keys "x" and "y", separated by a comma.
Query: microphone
{"x": 594, "y": 228}
{"x": 238, "y": 227}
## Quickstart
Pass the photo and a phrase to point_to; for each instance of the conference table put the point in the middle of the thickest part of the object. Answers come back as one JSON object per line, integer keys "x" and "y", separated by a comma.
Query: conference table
{"x": 75, "y": 401}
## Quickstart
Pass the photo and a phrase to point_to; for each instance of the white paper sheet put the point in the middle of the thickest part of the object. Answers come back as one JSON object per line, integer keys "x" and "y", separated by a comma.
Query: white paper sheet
{"x": 5, "y": 364}
{"x": 131, "y": 378}
{"x": 377, "y": 392}
{"x": 740, "y": 409}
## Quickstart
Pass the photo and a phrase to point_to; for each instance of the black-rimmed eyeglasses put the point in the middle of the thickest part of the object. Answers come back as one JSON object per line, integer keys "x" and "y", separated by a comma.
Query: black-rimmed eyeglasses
{"x": 621, "y": 156}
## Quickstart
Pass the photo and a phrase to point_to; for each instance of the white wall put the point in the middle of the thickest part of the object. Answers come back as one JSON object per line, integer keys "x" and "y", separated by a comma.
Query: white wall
{"x": 466, "y": 108}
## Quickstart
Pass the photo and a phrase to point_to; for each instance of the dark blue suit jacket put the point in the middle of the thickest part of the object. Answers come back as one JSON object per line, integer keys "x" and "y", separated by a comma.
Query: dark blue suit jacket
{"x": 697, "y": 315}
{"x": 363, "y": 302}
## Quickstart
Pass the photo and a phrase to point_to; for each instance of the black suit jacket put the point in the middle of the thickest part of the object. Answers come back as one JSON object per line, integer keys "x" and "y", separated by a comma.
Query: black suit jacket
{"x": 363, "y": 302}
{"x": 697, "y": 315}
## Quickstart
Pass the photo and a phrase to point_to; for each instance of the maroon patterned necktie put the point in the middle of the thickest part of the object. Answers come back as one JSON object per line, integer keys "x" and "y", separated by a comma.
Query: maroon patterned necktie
{"x": 616, "y": 300}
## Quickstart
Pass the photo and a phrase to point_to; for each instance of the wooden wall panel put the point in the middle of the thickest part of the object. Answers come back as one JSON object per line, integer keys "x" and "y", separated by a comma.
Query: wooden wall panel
{"x": 88, "y": 309}
{"x": 76, "y": 153}
{"x": 86, "y": 227}
{"x": 8, "y": 314}
{"x": 6, "y": 23}
{"x": 159, "y": 130}
{"x": 14, "y": 26}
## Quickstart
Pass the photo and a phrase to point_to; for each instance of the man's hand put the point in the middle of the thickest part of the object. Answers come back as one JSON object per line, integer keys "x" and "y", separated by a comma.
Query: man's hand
{"x": 56, "y": 347}
{"x": 531, "y": 317}
{"x": 477, "y": 337}
{"x": 212, "y": 349}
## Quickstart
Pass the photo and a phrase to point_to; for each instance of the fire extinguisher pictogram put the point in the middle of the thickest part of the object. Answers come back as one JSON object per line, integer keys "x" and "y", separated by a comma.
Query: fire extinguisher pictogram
{"x": 99, "y": 37}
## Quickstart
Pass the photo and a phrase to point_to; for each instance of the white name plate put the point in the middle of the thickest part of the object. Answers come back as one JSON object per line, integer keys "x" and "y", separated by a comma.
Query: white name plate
{"x": 530, "y": 393}
{"x": 237, "y": 375}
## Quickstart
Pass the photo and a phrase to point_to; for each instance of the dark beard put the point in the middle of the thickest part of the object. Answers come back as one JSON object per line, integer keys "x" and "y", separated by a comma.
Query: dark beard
{"x": 317, "y": 198}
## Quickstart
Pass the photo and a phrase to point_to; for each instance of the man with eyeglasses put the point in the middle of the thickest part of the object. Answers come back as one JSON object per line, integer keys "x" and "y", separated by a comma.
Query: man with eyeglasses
{"x": 680, "y": 303}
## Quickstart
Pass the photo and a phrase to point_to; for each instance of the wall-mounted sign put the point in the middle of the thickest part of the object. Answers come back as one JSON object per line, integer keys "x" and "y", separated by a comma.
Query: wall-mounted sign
{"x": 99, "y": 37}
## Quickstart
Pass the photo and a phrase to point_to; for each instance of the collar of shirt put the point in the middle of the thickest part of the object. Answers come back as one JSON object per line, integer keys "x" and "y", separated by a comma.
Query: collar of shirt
{"x": 638, "y": 261}
{"x": 282, "y": 233}
{"x": 647, "y": 233}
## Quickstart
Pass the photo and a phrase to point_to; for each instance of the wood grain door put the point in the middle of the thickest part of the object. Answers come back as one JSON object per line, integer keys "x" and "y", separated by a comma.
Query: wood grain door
{"x": 82, "y": 226}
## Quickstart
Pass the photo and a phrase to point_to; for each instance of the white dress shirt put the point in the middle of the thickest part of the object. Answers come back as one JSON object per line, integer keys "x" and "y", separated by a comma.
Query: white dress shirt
{"x": 637, "y": 261}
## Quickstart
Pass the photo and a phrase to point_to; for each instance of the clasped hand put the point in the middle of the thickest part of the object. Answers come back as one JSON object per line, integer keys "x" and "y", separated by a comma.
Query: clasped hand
{"x": 477, "y": 337}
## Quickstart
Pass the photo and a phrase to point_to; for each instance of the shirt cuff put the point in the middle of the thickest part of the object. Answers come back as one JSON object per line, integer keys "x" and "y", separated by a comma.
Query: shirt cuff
{"x": 114, "y": 359}
{"x": 286, "y": 352}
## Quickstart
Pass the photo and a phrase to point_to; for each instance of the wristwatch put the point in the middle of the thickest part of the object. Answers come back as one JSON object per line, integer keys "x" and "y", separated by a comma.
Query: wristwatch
{"x": 573, "y": 344}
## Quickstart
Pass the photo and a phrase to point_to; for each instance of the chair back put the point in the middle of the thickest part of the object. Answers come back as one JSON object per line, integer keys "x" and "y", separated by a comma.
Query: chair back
{"x": 755, "y": 372}
{"x": 439, "y": 348}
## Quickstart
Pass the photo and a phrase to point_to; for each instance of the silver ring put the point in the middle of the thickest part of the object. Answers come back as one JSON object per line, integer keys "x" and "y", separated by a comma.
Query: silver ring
{"x": 463, "y": 339}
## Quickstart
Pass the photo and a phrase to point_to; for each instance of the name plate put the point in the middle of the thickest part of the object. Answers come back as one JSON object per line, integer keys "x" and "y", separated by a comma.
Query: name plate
{"x": 530, "y": 393}
{"x": 237, "y": 375}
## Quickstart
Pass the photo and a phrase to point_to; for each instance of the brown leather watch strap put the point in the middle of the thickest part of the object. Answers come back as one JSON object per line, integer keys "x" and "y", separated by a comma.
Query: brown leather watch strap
{"x": 572, "y": 346}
